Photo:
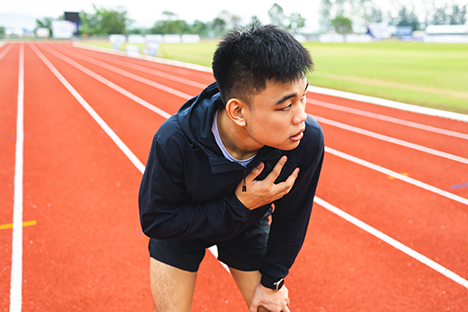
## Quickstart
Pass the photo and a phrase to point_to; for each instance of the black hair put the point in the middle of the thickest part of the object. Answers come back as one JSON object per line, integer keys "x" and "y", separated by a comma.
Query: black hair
{"x": 246, "y": 59}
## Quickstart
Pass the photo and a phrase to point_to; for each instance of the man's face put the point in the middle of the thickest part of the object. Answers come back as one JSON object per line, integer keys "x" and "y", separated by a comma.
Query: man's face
{"x": 276, "y": 116}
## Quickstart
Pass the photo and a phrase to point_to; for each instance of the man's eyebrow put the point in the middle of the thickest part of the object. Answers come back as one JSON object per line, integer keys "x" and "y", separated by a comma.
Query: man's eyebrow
{"x": 287, "y": 97}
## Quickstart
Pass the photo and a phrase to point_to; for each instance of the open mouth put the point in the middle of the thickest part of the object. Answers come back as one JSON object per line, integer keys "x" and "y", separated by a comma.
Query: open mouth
{"x": 298, "y": 136}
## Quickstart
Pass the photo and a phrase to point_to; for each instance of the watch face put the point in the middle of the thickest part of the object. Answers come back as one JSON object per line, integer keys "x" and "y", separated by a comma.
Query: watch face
{"x": 279, "y": 284}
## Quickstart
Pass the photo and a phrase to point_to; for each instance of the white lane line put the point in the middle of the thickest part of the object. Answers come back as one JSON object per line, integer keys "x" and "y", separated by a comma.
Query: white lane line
{"x": 124, "y": 148}
{"x": 396, "y": 175}
{"x": 392, "y": 242}
{"x": 134, "y": 66}
{"x": 389, "y": 119}
{"x": 116, "y": 87}
{"x": 4, "y": 52}
{"x": 391, "y": 140}
{"x": 17, "y": 240}
{"x": 121, "y": 72}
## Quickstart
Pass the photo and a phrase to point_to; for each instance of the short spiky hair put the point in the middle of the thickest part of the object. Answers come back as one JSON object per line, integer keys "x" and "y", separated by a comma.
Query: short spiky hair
{"x": 247, "y": 58}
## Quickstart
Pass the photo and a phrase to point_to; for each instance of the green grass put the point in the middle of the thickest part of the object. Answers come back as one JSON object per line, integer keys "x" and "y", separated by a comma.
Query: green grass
{"x": 426, "y": 74}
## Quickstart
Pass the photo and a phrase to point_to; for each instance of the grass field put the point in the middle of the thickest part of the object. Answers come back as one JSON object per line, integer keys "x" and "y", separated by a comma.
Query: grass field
{"x": 427, "y": 74}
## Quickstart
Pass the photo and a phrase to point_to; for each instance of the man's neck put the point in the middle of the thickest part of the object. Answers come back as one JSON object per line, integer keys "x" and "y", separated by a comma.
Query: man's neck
{"x": 236, "y": 139}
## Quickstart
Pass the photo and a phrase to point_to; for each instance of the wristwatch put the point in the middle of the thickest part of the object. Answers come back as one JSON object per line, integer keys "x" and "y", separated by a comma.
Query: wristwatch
{"x": 279, "y": 284}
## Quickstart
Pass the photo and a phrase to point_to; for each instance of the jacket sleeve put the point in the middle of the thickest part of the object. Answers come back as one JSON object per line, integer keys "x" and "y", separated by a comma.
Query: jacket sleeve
{"x": 291, "y": 215}
{"x": 166, "y": 211}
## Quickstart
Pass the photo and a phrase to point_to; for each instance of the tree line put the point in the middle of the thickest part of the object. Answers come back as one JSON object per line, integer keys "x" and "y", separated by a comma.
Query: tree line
{"x": 104, "y": 21}
{"x": 341, "y": 15}
{"x": 337, "y": 15}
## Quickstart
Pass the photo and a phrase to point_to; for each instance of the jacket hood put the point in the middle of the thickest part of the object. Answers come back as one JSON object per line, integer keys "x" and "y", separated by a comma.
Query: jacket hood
{"x": 196, "y": 118}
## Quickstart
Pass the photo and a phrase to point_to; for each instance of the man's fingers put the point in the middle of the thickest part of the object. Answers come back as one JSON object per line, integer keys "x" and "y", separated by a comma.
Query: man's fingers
{"x": 254, "y": 308}
{"x": 292, "y": 178}
{"x": 287, "y": 185}
{"x": 274, "y": 174}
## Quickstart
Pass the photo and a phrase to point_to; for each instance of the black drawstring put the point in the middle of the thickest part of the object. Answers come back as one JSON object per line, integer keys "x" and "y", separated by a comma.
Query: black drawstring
{"x": 244, "y": 186}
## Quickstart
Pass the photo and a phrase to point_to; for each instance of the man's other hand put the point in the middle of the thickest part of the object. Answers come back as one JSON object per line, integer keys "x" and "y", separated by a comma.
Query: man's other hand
{"x": 269, "y": 299}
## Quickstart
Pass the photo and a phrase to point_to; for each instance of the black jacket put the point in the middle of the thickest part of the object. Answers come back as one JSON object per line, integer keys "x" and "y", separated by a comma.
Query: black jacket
{"x": 187, "y": 190}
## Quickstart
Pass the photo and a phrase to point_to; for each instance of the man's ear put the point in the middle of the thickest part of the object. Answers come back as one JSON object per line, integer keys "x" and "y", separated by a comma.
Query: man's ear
{"x": 235, "y": 109}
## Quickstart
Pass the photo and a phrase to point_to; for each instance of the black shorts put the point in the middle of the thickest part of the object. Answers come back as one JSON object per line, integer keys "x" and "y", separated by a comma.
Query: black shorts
{"x": 243, "y": 252}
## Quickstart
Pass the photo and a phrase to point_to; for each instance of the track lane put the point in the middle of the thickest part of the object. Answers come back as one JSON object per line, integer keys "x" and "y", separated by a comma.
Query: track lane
{"x": 307, "y": 296}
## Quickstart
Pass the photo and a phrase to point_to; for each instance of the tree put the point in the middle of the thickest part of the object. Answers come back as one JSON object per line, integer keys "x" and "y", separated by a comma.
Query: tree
{"x": 296, "y": 22}
{"x": 45, "y": 23}
{"x": 104, "y": 21}
{"x": 199, "y": 28}
{"x": 458, "y": 16}
{"x": 277, "y": 16}
{"x": 218, "y": 26}
{"x": 291, "y": 23}
{"x": 440, "y": 16}
{"x": 342, "y": 25}
{"x": 171, "y": 25}
{"x": 375, "y": 15}
{"x": 254, "y": 20}
{"x": 112, "y": 21}
{"x": 170, "y": 16}
{"x": 325, "y": 13}
{"x": 361, "y": 11}
{"x": 406, "y": 18}
{"x": 235, "y": 20}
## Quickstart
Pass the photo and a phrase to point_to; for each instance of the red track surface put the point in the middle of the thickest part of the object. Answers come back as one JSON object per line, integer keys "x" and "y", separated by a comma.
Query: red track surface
{"x": 86, "y": 251}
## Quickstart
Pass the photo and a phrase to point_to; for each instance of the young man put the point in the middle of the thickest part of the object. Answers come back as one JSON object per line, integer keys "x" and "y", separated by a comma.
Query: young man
{"x": 242, "y": 150}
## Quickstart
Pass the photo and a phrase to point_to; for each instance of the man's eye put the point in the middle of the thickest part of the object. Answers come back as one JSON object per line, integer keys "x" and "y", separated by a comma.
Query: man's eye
{"x": 286, "y": 108}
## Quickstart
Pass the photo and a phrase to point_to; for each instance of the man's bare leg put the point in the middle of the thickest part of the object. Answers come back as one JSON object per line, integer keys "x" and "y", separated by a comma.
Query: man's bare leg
{"x": 172, "y": 288}
{"x": 247, "y": 282}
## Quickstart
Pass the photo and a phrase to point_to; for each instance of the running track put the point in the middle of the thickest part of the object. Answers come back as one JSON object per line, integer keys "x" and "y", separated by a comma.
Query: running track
{"x": 389, "y": 229}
